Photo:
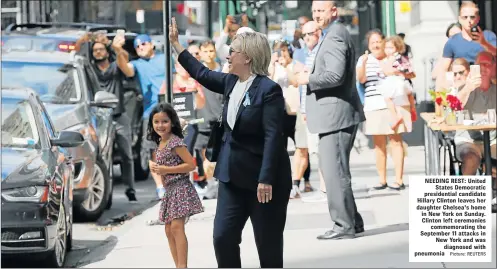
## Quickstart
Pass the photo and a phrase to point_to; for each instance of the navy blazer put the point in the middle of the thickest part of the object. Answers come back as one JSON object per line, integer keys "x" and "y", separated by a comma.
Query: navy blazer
{"x": 254, "y": 151}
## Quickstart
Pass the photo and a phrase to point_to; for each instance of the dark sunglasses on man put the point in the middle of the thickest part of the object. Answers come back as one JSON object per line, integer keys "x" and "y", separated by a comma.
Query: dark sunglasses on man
{"x": 308, "y": 34}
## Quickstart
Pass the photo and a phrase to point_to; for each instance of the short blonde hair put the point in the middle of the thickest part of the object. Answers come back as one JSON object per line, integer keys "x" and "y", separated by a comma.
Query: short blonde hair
{"x": 469, "y": 4}
{"x": 256, "y": 47}
{"x": 460, "y": 61}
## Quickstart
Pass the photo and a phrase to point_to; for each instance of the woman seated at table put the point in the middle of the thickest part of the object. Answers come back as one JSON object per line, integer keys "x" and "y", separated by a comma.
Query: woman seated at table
{"x": 477, "y": 95}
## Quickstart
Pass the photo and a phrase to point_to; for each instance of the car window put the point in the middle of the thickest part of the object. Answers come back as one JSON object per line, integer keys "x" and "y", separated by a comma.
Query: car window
{"x": 48, "y": 124}
{"x": 29, "y": 43}
{"x": 53, "y": 82}
{"x": 19, "y": 129}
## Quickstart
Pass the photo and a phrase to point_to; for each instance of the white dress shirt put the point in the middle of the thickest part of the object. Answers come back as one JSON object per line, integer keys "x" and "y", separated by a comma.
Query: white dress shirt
{"x": 236, "y": 98}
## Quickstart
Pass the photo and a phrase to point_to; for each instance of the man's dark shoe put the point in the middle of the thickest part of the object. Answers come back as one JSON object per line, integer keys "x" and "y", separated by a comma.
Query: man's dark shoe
{"x": 332, "y": 235}
{"x": 131, "y": 194}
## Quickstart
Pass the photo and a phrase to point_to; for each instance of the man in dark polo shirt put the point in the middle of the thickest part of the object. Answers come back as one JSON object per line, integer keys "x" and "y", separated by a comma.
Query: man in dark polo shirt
{"x": 111, "y": 78}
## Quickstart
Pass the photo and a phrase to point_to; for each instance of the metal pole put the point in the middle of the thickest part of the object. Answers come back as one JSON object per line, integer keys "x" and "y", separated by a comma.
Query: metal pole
{"x": 209, "y": 18}
{"x": 166, "y": 18}
{"x": 384, "y": 21}
{"x": 391, "y": 17}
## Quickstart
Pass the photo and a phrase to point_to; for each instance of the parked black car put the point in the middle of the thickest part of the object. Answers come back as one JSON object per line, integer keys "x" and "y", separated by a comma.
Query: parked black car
{"x": 69, "y": 89}
{"x": 37, "y": 180}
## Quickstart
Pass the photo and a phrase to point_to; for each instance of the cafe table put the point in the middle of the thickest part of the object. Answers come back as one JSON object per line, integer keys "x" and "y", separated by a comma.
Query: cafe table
{"x": 434, "y": 126}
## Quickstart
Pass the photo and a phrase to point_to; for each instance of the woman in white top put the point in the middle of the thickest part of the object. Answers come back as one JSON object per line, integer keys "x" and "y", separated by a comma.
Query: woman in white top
{"x": 369, "y": 72}
{"x": 252, "y": 167}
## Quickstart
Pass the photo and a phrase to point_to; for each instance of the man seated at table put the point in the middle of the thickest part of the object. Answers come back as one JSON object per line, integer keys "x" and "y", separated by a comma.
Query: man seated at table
{"x": 477, "y": 96}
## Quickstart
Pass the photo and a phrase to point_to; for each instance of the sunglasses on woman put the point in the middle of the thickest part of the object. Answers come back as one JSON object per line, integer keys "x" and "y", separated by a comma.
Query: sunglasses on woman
{"x": 231, "y": 51}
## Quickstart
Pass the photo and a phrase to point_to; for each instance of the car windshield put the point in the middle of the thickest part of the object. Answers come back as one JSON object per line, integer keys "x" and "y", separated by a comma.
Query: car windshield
{"x": 54, "y": 83}
{"x": 18, "y": 125}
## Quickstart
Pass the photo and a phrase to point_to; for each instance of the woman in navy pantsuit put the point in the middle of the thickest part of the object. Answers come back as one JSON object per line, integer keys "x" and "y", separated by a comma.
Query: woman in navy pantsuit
{"x": 253, "y": 165}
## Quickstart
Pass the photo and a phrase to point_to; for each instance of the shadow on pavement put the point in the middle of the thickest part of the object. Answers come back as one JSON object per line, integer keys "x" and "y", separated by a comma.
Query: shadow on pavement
{"x": 387, "y": 229}
{"x": 369, "y": 196}
{"x": 122, "y": 210}
{"x": 118, "y": 217}
{"x": 80, "y": 257}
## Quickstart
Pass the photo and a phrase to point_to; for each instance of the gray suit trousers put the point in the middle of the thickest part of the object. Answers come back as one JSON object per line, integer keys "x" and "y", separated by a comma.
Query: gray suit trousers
{"x": 334, "y": 157}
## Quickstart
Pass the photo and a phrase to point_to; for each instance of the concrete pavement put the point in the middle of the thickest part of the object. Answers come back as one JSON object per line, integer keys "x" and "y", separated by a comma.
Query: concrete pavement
{"x": 384, "y": 244}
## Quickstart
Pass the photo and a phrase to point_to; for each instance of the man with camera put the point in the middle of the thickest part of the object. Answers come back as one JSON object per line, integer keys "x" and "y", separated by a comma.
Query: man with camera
{"x": 110, "y": 77}
{"x": 467, "y": 44}
{"x": 233, "y": 23}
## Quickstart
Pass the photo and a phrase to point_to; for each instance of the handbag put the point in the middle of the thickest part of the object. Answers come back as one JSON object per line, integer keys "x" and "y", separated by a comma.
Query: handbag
{"x": 215, "y": 138}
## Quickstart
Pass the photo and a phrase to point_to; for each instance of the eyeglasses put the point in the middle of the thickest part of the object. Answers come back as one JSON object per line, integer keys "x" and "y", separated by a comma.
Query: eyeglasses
{"x": 232, "y": 50}
{"x": 468, "y": 17}
{"x": 308, "y": 34}
{"x": 142, "y": 44}
{"x": 99, "y": 49}
{"x": 460, "y": 73}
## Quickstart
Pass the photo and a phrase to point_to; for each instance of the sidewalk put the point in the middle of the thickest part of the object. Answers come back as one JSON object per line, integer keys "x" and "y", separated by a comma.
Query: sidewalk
{"x": 384, "y": 244}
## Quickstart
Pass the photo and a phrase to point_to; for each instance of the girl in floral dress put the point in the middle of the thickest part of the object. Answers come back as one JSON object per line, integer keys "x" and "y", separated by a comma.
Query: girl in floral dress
{"x": 173, "y": 163}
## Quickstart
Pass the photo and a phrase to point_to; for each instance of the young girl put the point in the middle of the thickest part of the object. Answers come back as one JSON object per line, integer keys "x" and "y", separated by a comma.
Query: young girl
{"x": 172, "y": 164}
{"x": 395, "y": 87}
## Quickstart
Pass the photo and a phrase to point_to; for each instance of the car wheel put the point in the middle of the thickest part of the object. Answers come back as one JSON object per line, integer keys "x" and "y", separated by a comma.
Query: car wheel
{"x": 57, "y": 257}
{"x": 142, "y": 170}
{"x": 98, "y": 194}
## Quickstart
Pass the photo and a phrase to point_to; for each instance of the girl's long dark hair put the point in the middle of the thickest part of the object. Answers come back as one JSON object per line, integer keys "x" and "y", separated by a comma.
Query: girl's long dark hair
{"x": 173, "y": 116}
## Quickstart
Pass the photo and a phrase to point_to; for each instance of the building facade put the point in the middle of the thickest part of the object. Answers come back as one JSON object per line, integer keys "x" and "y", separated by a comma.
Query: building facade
{"x": 191, "y": 15}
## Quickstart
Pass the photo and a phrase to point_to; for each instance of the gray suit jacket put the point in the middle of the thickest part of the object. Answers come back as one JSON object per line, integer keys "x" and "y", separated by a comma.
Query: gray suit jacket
{"x": 332, "y": 101}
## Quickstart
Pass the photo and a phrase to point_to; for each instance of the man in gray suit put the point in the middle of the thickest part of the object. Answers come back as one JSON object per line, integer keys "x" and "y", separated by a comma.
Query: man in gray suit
{"x": 334, "y": 111}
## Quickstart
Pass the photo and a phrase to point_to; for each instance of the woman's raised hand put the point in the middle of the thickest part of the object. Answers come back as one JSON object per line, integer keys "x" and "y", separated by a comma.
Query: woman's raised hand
{"x": 173, "y": 31}
{"x": 173, "y": 37}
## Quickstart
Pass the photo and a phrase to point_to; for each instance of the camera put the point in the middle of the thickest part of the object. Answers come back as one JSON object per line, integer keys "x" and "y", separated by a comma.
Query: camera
{"x": 474, "y": 29}
{"x": 238, "y": 19}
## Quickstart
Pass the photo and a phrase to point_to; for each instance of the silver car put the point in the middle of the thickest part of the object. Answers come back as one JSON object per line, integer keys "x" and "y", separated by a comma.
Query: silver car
{"x": 68, "y": 87}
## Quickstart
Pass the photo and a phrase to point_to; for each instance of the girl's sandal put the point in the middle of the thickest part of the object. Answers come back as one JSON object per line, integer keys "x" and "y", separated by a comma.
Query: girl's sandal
{"x": 380, "y": 186}
{"x": 396, "y": 186}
